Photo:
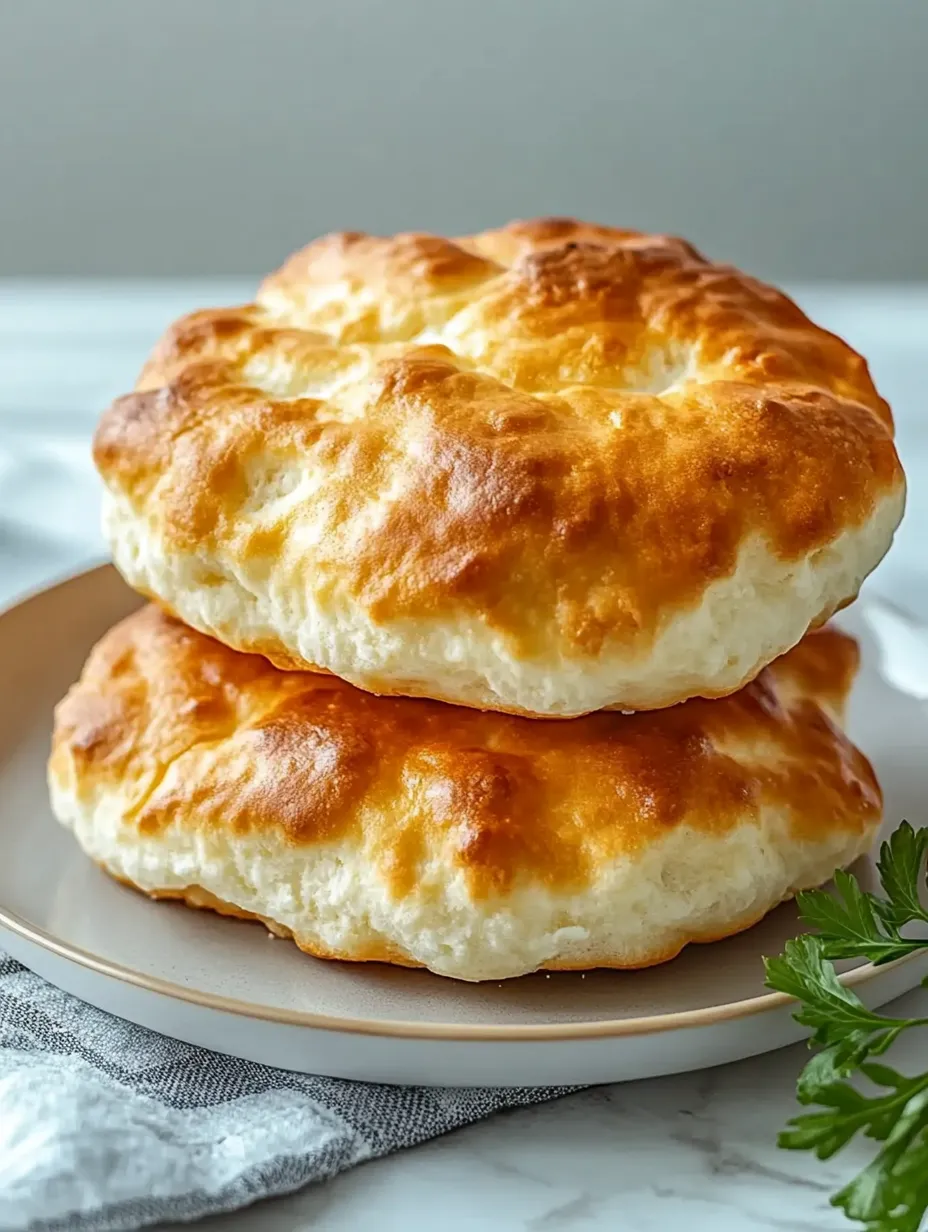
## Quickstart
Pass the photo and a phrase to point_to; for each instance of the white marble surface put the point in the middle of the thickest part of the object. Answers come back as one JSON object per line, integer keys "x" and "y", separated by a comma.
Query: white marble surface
{"x": 695, "y": 1151}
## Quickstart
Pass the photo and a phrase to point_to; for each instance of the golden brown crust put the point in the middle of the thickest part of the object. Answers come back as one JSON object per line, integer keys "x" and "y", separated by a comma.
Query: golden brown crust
{"x": 586, "y": 426}
{"x": 506, "y": 801}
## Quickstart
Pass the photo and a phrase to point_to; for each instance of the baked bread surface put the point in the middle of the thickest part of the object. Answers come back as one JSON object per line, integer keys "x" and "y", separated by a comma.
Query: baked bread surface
{"x": 479, "y": 845}
{"x": 546, "y": 469}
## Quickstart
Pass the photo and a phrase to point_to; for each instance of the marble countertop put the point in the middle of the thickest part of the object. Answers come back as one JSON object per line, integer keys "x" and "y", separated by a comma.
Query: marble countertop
{"x": 696, "y": 1150}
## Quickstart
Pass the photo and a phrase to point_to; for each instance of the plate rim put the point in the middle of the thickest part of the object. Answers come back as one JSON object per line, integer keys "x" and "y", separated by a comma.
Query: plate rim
{"x": 610, "y": 1028}
{"x": 615, "y": 1028}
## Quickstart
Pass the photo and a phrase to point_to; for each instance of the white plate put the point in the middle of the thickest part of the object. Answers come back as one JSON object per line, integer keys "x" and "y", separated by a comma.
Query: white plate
{"x": 224, "y": 984}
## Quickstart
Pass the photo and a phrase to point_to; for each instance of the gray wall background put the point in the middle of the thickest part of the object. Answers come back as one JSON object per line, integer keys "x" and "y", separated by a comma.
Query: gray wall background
{"x": 213, "y": 136}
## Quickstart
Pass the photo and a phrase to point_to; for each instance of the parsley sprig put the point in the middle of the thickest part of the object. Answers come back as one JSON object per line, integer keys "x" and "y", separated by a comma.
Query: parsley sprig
{"x": 891, "y": 1194}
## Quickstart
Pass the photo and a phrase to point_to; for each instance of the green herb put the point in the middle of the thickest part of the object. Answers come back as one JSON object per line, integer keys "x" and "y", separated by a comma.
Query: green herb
{"x": 891, "y": 1194}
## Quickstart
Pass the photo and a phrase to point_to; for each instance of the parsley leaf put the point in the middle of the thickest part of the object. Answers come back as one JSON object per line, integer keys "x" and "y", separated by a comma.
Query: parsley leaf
{"x": 891, "y": 1194}
{"x": 900, "y": 864}
{"x": 856, "y": 924}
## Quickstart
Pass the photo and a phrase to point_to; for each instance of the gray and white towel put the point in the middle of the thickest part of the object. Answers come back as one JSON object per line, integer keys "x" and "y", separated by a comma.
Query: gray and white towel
{"x": 105, "y": 1125}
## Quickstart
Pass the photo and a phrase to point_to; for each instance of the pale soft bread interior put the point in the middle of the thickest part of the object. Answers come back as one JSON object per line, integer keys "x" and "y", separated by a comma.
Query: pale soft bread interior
{"x": 688, "y": 887}
{"x": 711, "y": 649}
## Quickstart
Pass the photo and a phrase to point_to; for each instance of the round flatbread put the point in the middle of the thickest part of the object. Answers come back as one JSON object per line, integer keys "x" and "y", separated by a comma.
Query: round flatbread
{"x": 544, "y": 470}
{"x": 479, "y": 845}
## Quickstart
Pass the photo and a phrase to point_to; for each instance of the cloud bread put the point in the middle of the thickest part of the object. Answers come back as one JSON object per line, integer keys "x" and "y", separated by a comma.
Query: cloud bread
{"x": 479, "y": 845}
{"x": 545, "y": 470}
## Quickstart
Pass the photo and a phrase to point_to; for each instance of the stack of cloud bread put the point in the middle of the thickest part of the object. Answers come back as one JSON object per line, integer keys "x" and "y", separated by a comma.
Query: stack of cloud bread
{"x": 422, "y": 526}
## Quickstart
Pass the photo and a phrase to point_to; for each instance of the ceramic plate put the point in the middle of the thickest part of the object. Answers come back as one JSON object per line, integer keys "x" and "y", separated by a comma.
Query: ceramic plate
{"x": 226, "y": 985}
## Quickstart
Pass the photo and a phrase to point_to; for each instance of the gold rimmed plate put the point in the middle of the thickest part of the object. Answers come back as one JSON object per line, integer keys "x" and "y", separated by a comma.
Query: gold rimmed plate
{"x": 226, "y": 985}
